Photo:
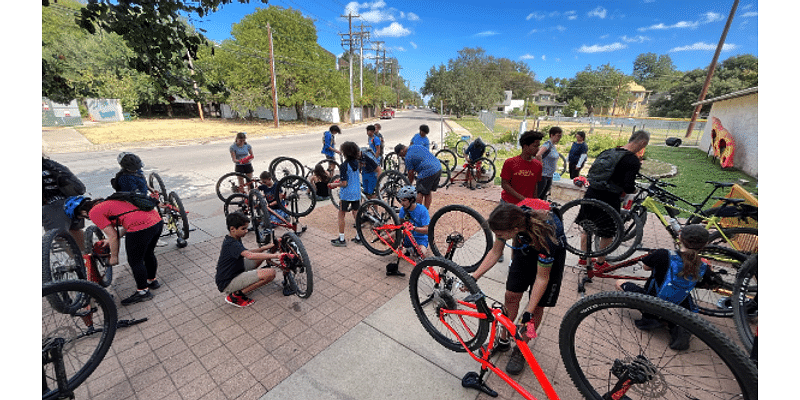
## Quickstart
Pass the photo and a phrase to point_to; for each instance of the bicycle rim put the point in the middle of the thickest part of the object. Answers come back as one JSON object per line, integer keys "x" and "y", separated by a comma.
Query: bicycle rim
{"x": 599, "y": 331}
{"x": 632, "y": 232}
{"x": 716, "y": 302}
{"x": 372, "y": 216}
{"x": 588, "y": 218}
{"x": 299, "y": 197}
{"x": 388, "y": 184}
{"x": 61, "y": 260}
{"x": 460, "y": 234}
{"x": 300, "y": 274}
{"x": 435, "y": 285}
{"x": 236, "y": 203}
{"x": 84, "y": 332}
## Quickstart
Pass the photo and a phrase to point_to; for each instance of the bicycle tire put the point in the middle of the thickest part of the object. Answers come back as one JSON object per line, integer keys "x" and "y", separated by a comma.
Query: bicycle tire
{"x": 487, "y": 172}
{"x": 490, "y": 153}
{"x": 181, "y": 220}
{"x": 716, "y": 301}
{"x": 444, "y": 175}
{"x": 259, "y": 216}
{"x": 389, "y": 183}
{"x": 84, "y": 349}
{"x": 461, "y": 147}
{"x": 335, "y": 192}
{"x": 236, "y": 202}
{"x": 300, "y": 275}
{"x": 91, "y": 235}
{"x": 393, "y": 161}
{"x": 460, "y": 234}
{"x": 603, "y": 218}
{"x": 61, "y": 260}
{"x": 448, "y": 157}
{"x": 331, "y": 166}
{"x": 299, "y": 198}
{"x": 228, "y": 184}
{"x": 745, "y": 302}
{"x": 561, "y": 164}
{"x": 598, "y": 332}
{"x": 375, "y": 214}
{"x": 743, "y": 240}
{"x": 641, "y": 212}
{"x": 429, "y": 296}
{"x": 157, "y": 184}
{"x": 632, "y": 233}
{"x": 285, "y": 166}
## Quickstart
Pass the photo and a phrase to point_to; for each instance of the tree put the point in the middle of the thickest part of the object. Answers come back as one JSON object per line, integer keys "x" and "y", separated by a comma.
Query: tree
{"x": 575, "y": 104}
{"x": 656, "y": 73}
{"x": 599, "y": 88}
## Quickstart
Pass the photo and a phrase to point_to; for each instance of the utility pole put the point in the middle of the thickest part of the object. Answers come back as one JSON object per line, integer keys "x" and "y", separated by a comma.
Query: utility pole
{"x": 272, "y": 73}
{"x": 350, "y": 50}
{"x": 711, "y": 68}
{"x": 361, "y": 35}
{"x": 377, "y": 57}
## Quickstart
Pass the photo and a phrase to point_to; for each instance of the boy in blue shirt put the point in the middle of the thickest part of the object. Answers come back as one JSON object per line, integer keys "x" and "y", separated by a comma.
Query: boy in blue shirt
{"x": 329, "y": 142}
{"x": 418, "y": 215}
{"x": 350, "y": 184}
{"x": 423, "y": 165}
{"x": 375, "y": 143}
{"x": 370, "y": 170}
{"x": 421, "y": 138}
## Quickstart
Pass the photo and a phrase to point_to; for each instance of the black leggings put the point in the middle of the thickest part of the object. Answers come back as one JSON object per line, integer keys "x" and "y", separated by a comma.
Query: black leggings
{"x": 140, "y": 247}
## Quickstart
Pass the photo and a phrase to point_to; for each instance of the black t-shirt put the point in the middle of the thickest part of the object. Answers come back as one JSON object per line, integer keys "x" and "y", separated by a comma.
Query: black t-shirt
{"x": 624, "y": 175}
{"x": 230, "y": 263}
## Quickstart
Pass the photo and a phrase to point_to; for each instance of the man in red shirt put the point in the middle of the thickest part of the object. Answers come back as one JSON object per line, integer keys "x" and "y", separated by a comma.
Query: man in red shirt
{"x": 522, "y": 173}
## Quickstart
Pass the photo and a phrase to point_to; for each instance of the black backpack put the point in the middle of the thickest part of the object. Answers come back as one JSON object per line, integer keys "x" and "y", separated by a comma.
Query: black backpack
{"x": 142, "y": 202}
{"x": 599, "y": 176}
{"x": 59, "y": 180}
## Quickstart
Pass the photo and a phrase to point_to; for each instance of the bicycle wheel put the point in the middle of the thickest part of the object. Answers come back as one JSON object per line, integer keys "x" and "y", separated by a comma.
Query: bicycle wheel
{"x": 632, "y": 232}
{"x": 444, "y": 176}
{"x": 179, "y": 218}
{"x": 389, "y": 183}
{"x": 236, "y": 202}
{"x": 490, "y": 152}
{"x": 335, "y": 193}
{"x": 745, "y": 302}
{"x": 484, "y": 170}
{"x": 259, "y": 216}
{"x": 744, "y": 240}
{"x": 461, "y": 147}
{"x": 393, "y": 161}
{"x": 641, "y": 212}
{"x": 92, "y": 236}
{"x": 298, "y": 196}
{"x": 373, "y": 215}
{"x": 602, "y": 349}
{"x": 284, "y": 166}
{"x": 299, "y": 274}
{"x": 330, "y": 165}
{"x": 157, "y": 185}
{"x": 716, "y": 301}
{"x": 589, "y": 218}
{"x": 448, "y": 157}
{"x": 561, "y": 164}
{"x": 228, "y": 184}
{"x": 61, "y": 260}
{"x": 75, "y": 339}
{"x": 436, "y": 285}
{"x": 460, "y": 234}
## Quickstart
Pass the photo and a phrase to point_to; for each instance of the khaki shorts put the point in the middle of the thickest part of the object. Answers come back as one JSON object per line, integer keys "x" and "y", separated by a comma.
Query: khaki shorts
{"x": 245, "y": 279}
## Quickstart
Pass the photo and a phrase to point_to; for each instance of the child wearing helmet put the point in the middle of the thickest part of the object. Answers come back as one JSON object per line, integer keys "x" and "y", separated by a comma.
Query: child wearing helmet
{"x": 418, "y": 215}
{"x": 130, "y": 178}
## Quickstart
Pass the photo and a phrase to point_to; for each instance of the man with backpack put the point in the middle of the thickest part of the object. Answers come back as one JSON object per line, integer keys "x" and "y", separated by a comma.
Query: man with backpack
{"x": 58, "y": 184}
{"x": 612, "y": 175}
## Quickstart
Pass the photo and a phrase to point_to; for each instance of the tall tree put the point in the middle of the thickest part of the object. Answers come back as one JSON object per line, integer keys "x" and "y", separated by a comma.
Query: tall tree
{"x": 655, "y": 72}
{"x": 599, "y": 88}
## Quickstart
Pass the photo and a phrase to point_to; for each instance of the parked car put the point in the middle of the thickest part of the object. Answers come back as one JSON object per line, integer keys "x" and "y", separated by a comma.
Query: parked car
{"x": 387, "y": 113}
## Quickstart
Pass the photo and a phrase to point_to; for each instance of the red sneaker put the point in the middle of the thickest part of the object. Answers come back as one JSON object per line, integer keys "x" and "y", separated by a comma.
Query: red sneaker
{"x": 583, "y": 262}
{"x": 239, "y": 300}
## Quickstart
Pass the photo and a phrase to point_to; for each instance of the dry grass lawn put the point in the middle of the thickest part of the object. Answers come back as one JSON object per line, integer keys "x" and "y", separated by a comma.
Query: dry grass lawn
{"x": 158, "y": 129}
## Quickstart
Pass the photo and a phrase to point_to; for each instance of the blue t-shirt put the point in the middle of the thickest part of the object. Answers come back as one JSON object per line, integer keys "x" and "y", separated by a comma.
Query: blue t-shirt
{"x": 475, "y": 149}
{"x": 133, "y": 183}
{"x": 270, "y": 194}
{"x": 241, "y": 152}
{"x": 327, "y": 143}
{"x": 419, "y": 216}
{"x": 367, "y": 163}
{"x": 348, "y": 171}
{"x": 422, "y": 161}
{"x": 375, "y": 144}
{"x": 575, "y": 152}
{"x": 421, "y": 141}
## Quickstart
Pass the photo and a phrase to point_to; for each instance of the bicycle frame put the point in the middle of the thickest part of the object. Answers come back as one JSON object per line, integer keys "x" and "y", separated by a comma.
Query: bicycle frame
{"x": 606, "y": 272}
{"x": 468, "y": 168}
{"x": 406, "y": 233}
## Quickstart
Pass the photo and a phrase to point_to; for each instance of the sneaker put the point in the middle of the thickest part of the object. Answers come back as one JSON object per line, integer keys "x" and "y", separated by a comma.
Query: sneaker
{"x": 137, "y": 297}
{"x": 502, "y": 345}
{"x": 154, "y": 284}
{"x": 356, "y": 240}
{"x": 161, "y": 243}
{"x": 338, "y": 242}
{"x": 679, "y": 338}
{"x": 647, "y": 324}
{"x": 516, "y": 362}
{"x": 238, "y": 300}
{"x": 583, "y": 262}
{"x": 287, "y": 289}
{"x": 501, "y": 259}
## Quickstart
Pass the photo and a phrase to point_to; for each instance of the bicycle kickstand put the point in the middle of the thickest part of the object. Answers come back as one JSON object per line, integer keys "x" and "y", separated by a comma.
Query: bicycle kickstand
{"x": 475, "y": 381}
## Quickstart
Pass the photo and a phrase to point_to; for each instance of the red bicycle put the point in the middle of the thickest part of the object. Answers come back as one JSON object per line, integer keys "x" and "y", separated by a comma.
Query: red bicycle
{"x": 170, "y": 207}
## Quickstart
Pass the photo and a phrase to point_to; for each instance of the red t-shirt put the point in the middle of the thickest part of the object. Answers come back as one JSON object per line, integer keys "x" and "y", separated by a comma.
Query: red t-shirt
{"x": 132, "y": 221}
{"x": 523, "y": 175}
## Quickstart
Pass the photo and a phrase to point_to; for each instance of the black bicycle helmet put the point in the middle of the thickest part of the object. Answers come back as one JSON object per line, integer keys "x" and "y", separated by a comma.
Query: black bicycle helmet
{"x": 130, "y": 161}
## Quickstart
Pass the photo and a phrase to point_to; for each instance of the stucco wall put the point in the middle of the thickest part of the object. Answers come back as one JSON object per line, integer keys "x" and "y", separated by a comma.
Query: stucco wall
{"x": 738, "y": 116}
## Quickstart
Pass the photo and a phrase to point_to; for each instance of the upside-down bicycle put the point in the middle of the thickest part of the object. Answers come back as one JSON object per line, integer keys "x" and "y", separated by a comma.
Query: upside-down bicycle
{"x": 171, "y": 209}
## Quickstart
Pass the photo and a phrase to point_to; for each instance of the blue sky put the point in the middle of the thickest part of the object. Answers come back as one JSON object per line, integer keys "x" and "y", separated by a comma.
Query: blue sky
{"x": 555, "y": 38}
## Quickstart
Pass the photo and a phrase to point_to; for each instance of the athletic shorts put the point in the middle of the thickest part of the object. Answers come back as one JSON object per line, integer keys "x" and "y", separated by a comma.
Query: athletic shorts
{"x": 522, "y": 275}
{"x": 244, "y": 169}
{"x": 428, "y": 184}
{"x": 245, "y": 279}
{"x": 370, "y": 182}
{"x": 350, "y": 205}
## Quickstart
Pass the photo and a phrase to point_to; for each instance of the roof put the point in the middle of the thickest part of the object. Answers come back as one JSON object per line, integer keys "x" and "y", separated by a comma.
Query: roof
{"x": 732, "y": 95}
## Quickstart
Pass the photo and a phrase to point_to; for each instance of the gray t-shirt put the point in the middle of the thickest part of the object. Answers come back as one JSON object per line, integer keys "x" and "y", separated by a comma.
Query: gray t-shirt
{"x": 549, "y": 162}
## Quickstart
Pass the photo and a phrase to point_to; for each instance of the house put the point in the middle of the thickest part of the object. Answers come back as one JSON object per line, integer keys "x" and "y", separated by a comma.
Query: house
{"x": 637, "y": 98}
{"x": 547, "y": 103}
{"x": 738, "y": 114}
{"x": 508, "y": 105}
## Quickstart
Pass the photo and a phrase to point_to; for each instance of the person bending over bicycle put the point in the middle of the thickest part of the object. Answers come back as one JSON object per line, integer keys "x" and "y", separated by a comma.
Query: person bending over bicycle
{"x": 537, "y": 265}
{"x": 674, "y": 274}
{"x": 130, "y": 177}
{"x": 424, "y": 166}
{"x": 418, "y": 216}
{"x": 238, "y": 271}
{"x": 370, "y": 170}
{"x": 472, "y": 153}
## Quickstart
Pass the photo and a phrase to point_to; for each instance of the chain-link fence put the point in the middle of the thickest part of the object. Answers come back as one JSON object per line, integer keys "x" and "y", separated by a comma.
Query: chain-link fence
{"x": 660, "y": 129}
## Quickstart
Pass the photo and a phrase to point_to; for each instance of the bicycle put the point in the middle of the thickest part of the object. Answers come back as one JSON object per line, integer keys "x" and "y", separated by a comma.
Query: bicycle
{"x": 454, "y": 312}
{"x": 745, "y": 305}
{"x": 456, "y": 232}
{"x": 61, "y": 260}
{"x": 297, "y": 199}
{"x": 171, "y": 209}
{"x": 235, "y": 182}
{"x": 75, "y": 337}
{"x": 461, "y": 147}
{"x": 482, "y": 171}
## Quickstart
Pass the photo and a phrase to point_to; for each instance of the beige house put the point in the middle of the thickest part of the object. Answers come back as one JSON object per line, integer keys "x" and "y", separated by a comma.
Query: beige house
{"x": 547, "y": 103}
{"x": 632, "y": 102}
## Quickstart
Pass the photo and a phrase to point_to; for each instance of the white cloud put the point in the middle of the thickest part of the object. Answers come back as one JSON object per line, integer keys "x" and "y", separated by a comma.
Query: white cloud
{"x": 635, "y": 39}
{"x": 750, "y": 14}
{"x": 414, "y": 45}
{"x": 527, "y": 57}
{"x": 661, "y": 26}
{"x": 412, "y": 17}
{"x": 535, "y": 15}
{"x": 602, "y": 49}
{"x": 702, "y": 46}
{"x": 485, "y": 34}
{"x": 560, "y": 28}
{"x": 393, "y": 30}
{"x": 543, "y": 58}
{"x": 599, "y": 12}
{"x": 571, "y": 15}
{"x": 712, "y": 17}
